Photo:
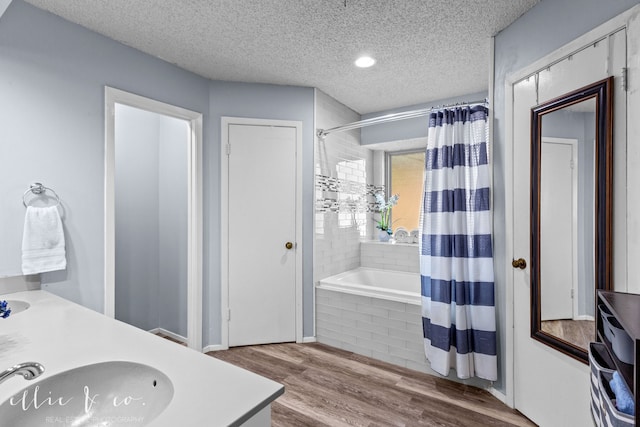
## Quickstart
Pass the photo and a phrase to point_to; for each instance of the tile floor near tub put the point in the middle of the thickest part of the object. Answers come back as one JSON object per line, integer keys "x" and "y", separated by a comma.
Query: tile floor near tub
{"x": 326, "y": 386}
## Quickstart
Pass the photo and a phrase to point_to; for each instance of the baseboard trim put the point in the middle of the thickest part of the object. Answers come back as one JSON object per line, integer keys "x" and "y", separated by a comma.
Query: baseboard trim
{"x": 219, "y": 347}
{"x": 170, "y": 334}
{"x": 498, "y": 395}
{"x": 214, "y": 347}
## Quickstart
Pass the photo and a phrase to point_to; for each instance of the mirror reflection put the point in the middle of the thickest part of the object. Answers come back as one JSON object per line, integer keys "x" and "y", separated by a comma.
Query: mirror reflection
{"x": 571, "y": 209}
{"x": 567, "y": 248}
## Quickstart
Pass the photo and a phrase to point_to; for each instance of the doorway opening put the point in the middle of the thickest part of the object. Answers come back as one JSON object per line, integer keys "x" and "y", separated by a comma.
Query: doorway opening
{"x": 153, "y": 216}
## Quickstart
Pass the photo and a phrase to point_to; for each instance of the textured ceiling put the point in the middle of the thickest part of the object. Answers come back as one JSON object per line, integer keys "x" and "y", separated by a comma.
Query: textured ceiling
{"x": 425, "y": 49}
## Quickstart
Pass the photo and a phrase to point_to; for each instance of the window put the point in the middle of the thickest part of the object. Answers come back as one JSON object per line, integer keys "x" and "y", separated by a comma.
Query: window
{"x": 405, "y": 172}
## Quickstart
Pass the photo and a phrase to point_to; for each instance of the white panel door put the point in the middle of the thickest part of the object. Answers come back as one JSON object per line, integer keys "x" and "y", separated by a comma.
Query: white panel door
{"x": 557, "y": 258}
{"x": 550, "y": 388}
{"x": 262, "y": 221}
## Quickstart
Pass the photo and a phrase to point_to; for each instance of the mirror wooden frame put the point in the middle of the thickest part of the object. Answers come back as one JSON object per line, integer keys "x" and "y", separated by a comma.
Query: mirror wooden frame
{"x": 602, "y": 92}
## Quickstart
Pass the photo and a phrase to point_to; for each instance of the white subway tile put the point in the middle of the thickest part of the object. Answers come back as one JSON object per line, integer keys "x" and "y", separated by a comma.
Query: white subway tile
{"x": 416, "y": 345}
{"x": 356, "y": 349}
{"x": 372, "y": 345}
{"x": 372, "y": 327}
{"x": 388, "y": 339}
{"x": 373, "y": 310}
{"x": 322, "y": 299}
{"x": 344, "y": 321}
{"x": 407, "y": 354}
{"x": 408, "y": 335}
{"x": 407, "y": 317}
{"x": 357, "y": 316}
{"x": 413, "y": 308}
{"x": 329, "y": 341}
{"x": 391, "y": 323}
{"x": 328, "y": 333}
{"x": 413, "y": 328}
{"x": 404, "y": 262}
{"x": 323, "y": 324}
{"x": 328, "y": 310}
{"x": 347, "y": 305}
{"x": 391, "y": 305}
{"x": 358, "y": 299}
{"x": 356, "y": 332}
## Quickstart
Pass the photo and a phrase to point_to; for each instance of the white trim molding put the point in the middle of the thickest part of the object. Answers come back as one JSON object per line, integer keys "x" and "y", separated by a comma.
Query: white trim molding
{"x": 215, "y": 347}
{"x": 169, "y": 334}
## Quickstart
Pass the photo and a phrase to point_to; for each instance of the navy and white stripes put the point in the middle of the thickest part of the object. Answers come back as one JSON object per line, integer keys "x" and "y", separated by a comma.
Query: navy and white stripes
{"x": 456, "y": 254}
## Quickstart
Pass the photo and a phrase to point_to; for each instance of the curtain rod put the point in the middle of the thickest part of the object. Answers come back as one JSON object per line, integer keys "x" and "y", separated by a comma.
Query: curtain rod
{"x": 322, "y": 133}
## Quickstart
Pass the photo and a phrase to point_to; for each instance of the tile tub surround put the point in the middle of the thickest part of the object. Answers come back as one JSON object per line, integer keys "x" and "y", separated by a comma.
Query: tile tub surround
{"x": 390, "y": 256}
{"x": 390, "y": 331}
{"x": 343, "y": 191}
{"x": 385, "y": 330}
{"x": 62, "y": 335}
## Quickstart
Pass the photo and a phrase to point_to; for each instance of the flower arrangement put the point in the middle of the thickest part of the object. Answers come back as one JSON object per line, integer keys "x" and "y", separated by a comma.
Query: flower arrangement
{"x": 384, "y": 208}
{"x": 5, "y": 311}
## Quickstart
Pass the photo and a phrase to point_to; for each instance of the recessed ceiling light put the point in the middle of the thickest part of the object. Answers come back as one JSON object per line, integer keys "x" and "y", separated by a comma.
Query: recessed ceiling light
{"x": 365, "y": 62}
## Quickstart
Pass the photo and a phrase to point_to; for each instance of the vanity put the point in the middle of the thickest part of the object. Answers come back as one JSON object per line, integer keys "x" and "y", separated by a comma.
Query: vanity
{"x": 624, "y": 307}
{"x": 63, "y": 336}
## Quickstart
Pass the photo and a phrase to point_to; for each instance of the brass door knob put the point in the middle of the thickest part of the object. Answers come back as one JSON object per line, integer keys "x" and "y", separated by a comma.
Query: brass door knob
{"x": 519, "y": 263}
{"x": 288, "y": 245}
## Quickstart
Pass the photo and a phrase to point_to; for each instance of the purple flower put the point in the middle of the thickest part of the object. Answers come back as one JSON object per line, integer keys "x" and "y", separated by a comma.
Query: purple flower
{"x": 5, "y": 311}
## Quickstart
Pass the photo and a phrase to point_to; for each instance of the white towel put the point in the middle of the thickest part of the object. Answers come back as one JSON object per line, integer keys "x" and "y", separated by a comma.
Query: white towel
{"x": 401, "y": 235}
{"x": 43, "y": 241}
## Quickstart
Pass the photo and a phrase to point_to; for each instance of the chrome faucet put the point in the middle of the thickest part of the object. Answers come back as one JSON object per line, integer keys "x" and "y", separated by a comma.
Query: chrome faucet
{"x": 28, "y": 370}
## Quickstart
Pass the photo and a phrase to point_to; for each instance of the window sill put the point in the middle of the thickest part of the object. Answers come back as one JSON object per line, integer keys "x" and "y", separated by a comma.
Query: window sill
{"x": 389, "y": 243}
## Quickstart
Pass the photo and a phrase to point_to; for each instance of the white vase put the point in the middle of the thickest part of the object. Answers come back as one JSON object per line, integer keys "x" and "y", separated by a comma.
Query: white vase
{"x": 383, "y": 236}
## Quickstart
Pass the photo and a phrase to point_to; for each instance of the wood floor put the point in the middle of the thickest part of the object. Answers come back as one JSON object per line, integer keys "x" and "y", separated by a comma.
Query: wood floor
{"x": 325, "y": 386}
{"x": 578, "y": 332}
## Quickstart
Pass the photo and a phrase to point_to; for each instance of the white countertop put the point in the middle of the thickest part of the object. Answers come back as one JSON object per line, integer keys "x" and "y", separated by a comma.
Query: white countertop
{"x": 62, "y": 335}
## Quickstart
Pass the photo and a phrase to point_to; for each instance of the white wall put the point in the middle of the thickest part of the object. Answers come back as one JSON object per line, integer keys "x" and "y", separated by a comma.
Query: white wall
{"x": 52, "y": 78}
{"x": 136, "y": 217}
{"x": 151, "y": 220}
{"x": 172, "y": 224}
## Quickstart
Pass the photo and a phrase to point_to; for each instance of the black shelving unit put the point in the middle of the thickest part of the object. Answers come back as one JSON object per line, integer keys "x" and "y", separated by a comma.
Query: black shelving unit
{"x": 626, "y": 308}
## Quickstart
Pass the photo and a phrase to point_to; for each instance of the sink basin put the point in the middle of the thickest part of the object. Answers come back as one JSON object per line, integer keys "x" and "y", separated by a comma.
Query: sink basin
{"x": 17, "y": 306}
{"x": 103, "y": 394}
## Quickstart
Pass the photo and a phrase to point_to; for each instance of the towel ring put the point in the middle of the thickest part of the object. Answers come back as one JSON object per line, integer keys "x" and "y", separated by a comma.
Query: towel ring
{"x": 37, "y": 189}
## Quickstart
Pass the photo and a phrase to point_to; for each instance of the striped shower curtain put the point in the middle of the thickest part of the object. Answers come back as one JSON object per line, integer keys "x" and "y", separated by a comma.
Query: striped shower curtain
{"x": 456, "y": 256}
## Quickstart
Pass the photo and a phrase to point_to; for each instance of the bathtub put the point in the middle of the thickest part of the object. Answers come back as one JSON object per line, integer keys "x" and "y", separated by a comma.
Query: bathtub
{"x": 375, "y": 313}
{"x": 370, "y": 282}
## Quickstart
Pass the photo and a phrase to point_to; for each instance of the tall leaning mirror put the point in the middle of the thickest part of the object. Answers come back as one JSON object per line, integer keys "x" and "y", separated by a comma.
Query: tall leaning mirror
{"x": 571, "y": 202}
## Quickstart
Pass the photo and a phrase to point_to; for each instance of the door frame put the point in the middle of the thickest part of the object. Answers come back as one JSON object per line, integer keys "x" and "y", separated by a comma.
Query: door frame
{"x": 114, "y": 96}
{"x": 628, "y": 20}
{"x": 224, "y": 220}
{"x": 573, "y": 143}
